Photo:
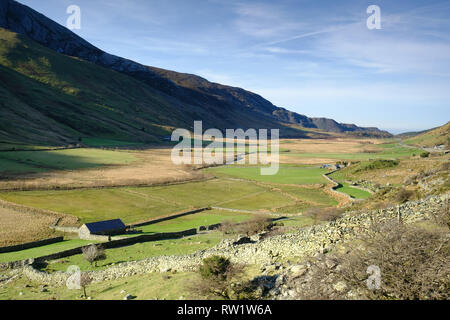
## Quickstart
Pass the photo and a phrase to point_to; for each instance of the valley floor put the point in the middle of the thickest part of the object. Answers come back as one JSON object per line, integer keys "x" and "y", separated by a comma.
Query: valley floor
{"x": 78, "y": 186}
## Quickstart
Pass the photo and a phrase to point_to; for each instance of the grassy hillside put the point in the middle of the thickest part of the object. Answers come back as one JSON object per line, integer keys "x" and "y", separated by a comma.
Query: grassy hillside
{"x": 432, "y": 138}
{"x": 50, "y": 98}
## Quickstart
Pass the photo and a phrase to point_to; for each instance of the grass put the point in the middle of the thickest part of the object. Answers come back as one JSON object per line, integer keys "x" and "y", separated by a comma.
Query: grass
{"x": 204, "y": 218}
{"x": 265, "y": 201}
{"x": 134, "y": 204}
{"x": 353, "y": 192}
{"x": 432, "y": 138}
{"x": 286, "y": 174}
{"x": 317, "y": 196}
{"x": 298, "y": 222}
{"x": 20, "y": 227}
{"x": 385, "y": 151}
{"x": 45, "y": 89}
{"x": 148, "y": 286}
{"x": 43, "y": 251}
{"x": 342, "y": 175}
{"x": 107, "y": 143}
{"x": 69, "y": 159}
{"x": 142, "y": 251}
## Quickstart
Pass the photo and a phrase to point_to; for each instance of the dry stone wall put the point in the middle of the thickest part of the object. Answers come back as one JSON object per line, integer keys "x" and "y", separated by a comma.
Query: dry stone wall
{"x": 304, "y": 243}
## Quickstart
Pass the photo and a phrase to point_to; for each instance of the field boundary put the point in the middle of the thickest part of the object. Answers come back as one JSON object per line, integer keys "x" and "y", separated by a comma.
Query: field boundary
{"x": 30, "y": 245}
{"x": 245, "y": 211}
{"x": 31, "y": 210}
{"x": 336, "y": 185}
{"x": 167, "y": 217}
{"x": 106, "y": 245}
{"x": 118, "y": 186}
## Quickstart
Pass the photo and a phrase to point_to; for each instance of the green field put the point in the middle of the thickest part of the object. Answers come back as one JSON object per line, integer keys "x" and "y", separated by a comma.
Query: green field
{"x": 133, "y": 204}
{"x": 43, "y": 251}
{"x": 353, "y": 192}
{"x": 108, "y": 143}
{"x": 68, "y": 159}
{"x": 343, "y": 175}
{"x": 387, "y": 151}
{"x": 204, "y": 218}
{"x": 139, "y": 204}
{"x": 286, "y": 174}
{"x": 182, "y": 246}
{"x": 142, "y": 251}
{"x": 147, "y": 286}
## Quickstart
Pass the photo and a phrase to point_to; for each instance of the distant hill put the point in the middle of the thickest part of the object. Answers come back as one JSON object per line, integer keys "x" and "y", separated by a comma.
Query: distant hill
{"x": 411, "y": 134}
{"x": 431, "y": 138}
{"x": 58, "y": 88}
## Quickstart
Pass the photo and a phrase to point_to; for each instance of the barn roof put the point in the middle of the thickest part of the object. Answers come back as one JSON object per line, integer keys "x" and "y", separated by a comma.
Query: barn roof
{"x": 103, "y": 226}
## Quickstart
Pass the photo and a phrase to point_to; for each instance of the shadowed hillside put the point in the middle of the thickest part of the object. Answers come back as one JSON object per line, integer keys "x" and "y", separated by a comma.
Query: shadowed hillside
{"x": 105, "y": 96}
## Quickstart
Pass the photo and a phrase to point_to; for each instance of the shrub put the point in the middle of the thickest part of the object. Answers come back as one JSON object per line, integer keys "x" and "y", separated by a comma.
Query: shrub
{"x": 324, "y": 214}
{"x": 251, "y": 227}
{"x": 377, "y": 164}
{"x": 442, "y": 217}
{"x": 228, "y": 227}
{"x": 425, "y": 154}
{"x": 93, "y": 254}
{"x": 215, "y": 267}
{"x": 217, "y": 279}
{"x": 403, "y": 195}
{"x": 413, "y": 263}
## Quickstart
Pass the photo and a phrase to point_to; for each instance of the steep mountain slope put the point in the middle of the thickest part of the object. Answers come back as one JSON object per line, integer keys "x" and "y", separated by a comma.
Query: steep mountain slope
{"x": 47, "y": 97}
{"x": 433, "y": 137}
{"x": 257, "y": 104}
{"x": 119, "y": 98}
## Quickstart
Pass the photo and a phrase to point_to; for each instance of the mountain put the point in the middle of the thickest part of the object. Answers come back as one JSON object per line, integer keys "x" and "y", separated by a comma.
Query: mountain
{"x": 434, "y": 137}
{"x": 56, "y": 87}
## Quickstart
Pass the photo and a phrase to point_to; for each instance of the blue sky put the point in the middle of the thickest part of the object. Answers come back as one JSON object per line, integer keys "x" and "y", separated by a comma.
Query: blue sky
{"x": 317, "y": 58}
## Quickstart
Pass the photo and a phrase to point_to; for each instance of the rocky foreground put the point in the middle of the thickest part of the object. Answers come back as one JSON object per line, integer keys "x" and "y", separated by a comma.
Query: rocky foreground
{"x": 275, "y": 254}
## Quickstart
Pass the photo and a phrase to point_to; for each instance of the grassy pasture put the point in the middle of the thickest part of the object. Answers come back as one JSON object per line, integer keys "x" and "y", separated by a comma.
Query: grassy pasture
{"x": 99, "y": 168}
{"x": 134, "y": 204}
{"x": 69, "y": 159}
{"x": 109, "y": 143}
{"x": 18, "y": 227}
{"x": 353, "y": 192}
{"x": 286, "y": 174}
{"x": 44, "y": 250}
{"x": 204, "y": 218}
{"x": 148, "y": 286}
{"x": 383, "y": 151}
{"x": 142, "y": 251}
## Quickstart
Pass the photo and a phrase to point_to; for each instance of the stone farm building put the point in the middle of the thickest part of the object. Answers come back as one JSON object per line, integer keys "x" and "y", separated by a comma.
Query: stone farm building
{"x": 102, "y": 228}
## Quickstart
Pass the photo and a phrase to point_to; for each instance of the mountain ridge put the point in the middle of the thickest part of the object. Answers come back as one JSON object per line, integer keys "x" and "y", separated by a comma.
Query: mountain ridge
{"x": 218, "y": 105}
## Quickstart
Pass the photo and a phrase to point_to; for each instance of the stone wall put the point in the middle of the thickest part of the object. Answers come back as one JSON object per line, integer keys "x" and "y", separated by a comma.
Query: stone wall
{"x": 264, "y": 251}
{"x": 106, "y": 245}
{"x": 30, "y": 245}
{"x": 170, "y": 217}
{"x": 335, "y": 185}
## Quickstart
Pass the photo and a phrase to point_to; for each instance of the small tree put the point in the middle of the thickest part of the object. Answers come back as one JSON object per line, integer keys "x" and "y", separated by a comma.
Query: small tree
{"x": 85, "y": 280}
{"x": 404, "y": 195}
{"x": 251, "y": 227}
{"x": 93, "y": 254}
{"x": 216, "y": 278}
